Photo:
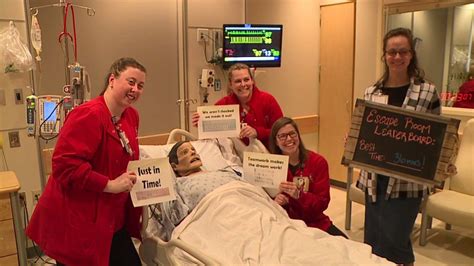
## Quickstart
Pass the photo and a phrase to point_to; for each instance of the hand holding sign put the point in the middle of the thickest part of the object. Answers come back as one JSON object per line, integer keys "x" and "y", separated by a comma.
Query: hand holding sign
{"x": 265, "y": 170}
{"x": 217, "y": 121}
{"x": 122, "y": 183}
{"x": 154, "y": 182}
{"x": 409, "y": 145}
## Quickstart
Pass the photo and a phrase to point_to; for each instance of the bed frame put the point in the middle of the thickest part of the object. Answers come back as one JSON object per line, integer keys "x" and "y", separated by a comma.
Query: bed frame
{"x": 163, "y": 253}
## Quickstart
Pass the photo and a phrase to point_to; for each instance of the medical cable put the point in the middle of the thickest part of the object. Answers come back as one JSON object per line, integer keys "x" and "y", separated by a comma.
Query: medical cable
{"x": 35, "y": 247}
{"x": 205, "y": 48}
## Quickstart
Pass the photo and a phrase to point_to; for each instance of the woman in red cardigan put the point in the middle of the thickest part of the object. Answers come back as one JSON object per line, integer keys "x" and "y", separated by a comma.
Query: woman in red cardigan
{"x": 305, "y": 194}
{"x": 85, "y": 215}
{"x": 258, "y": 109}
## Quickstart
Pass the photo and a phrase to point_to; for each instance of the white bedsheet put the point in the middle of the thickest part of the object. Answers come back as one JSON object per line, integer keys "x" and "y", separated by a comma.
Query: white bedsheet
{"x": 239, "y": 224}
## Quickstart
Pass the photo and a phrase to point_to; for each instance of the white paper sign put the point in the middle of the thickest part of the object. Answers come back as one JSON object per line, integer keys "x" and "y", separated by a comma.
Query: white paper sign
{"x": 154, "y": 181}
{"x": 218, "y": 121}
{"x": 265, "y": 170}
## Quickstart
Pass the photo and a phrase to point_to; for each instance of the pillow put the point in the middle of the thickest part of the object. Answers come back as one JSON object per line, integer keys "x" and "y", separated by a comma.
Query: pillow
{"x": 208, "y": 149}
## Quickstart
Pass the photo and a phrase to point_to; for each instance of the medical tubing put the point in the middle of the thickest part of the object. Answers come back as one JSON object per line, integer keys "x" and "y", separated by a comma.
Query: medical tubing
{"x": 65, "y": 32}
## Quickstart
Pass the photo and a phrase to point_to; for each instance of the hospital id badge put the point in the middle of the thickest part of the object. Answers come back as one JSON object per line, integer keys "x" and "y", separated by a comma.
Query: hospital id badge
{"x": 302, "y": 183}
{"x": 380, "y": 98}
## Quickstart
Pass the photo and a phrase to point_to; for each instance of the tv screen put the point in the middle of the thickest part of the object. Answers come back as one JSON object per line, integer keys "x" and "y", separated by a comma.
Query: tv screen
{"x": 256, "y": 45}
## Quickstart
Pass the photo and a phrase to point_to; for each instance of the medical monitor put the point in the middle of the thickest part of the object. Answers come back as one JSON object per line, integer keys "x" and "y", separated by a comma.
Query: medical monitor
{"x": 49, "y": 112}
{"x": 256, "y": 45}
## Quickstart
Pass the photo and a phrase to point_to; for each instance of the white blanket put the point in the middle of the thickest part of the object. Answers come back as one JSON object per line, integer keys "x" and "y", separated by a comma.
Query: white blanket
{"x": 239, "y": 224}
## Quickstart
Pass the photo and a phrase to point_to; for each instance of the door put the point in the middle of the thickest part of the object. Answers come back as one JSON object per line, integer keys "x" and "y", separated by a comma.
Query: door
{"x": 336, "y": 83}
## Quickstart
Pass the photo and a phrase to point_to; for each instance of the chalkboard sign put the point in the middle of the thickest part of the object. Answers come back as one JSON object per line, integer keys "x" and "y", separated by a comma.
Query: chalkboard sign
{"x": 410, "y": 145}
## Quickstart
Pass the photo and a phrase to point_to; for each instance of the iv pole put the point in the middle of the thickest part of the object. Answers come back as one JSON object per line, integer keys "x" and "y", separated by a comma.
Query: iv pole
{"x": 35, "y": 10}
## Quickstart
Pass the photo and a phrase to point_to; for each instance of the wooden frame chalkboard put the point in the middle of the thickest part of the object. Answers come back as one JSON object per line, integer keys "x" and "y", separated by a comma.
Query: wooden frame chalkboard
{"x": 410, "y": 145}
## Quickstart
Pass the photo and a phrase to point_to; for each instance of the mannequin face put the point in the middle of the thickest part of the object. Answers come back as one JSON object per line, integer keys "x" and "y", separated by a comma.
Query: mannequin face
{"x": 188, "y": 160}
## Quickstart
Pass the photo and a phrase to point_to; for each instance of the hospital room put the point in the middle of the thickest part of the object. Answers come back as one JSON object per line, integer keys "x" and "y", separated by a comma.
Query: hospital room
{"x": 236, "y": 132}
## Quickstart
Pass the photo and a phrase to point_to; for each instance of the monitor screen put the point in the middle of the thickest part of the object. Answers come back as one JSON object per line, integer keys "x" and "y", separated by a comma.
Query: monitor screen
{"x": 48, "y": 107}
{"x": 252, "y": 44}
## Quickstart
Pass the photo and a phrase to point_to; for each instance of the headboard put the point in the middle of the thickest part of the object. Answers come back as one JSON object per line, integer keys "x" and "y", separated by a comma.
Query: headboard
{"x": 47, "y": 154}
{"x": 308, "y": 126}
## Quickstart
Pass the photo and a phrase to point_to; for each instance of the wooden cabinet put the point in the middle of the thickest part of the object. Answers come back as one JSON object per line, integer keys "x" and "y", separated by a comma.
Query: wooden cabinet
{"x": 8, "y": 250}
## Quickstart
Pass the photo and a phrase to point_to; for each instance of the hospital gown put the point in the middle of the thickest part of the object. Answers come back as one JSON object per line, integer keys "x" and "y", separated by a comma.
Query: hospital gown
{"x": 190, "y": 190}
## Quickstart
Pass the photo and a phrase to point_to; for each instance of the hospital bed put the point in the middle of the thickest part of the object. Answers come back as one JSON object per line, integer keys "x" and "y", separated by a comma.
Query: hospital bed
{"x": 216, "y": 154}
{"x": 222, "y": 153}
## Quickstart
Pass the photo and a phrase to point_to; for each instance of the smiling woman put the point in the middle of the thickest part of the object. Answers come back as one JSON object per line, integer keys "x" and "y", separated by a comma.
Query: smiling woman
{"x": 305, "y": 193}
{"x": 85, "y": 215}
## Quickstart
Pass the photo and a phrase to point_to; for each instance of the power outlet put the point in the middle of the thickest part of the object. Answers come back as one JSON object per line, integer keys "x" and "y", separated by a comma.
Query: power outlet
{"x": 35, "y": 195}
{"x": 202, "y": 35}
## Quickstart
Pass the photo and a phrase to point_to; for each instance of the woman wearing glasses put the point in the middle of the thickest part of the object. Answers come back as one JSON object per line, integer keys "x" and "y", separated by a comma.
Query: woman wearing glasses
{"x": 305, "y": 194}
{"x": 392, "y": 204}
{"x": 85, "y": 216}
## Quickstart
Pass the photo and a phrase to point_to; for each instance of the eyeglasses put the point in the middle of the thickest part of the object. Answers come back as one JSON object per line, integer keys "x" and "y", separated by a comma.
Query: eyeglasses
{"x": 401, "y": 52}
{"x": 284, "y": 136}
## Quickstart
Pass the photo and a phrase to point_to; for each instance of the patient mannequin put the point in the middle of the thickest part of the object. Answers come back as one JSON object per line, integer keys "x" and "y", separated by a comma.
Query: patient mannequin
{"x": 193, "y": 183}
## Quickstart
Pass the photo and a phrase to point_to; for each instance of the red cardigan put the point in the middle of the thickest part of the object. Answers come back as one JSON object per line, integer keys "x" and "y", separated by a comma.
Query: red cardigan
{"x": 264, "y": 111}
{"x": 74, "y": 220}
{"x": 311, "y": 205}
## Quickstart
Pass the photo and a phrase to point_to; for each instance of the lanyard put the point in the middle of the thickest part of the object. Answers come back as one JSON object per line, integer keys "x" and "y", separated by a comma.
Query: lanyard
{"x": 123, "y": 138}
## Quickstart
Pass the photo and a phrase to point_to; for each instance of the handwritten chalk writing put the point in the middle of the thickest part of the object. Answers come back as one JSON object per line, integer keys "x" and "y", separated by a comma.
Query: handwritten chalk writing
{"x": 366, "y": 146}
{"x": 151, "y": 184}
{"x": 400, "y": 159}
{"x": 410, "y": 124}
{"x": 373, "y": 117}
{"x": 392, "y": 133}
{"x": 426, "y": 140}
{"x": 377, "y": 157}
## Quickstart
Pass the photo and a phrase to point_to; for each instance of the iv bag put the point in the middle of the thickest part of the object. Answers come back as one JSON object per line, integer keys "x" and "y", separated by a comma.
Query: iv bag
{"x": 35, "y": 33}
{"x": 14, "y": 55}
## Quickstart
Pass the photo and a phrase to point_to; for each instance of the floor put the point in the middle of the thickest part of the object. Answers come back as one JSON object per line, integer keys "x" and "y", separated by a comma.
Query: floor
{"x": 453, "y": 247}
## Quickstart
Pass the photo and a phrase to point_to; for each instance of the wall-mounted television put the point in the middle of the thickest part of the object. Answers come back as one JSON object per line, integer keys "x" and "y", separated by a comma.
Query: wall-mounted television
{"x": 256, "y": 45}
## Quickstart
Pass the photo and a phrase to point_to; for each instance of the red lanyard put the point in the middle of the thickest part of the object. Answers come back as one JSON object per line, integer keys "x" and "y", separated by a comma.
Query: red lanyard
{"x": 123, "y": 138}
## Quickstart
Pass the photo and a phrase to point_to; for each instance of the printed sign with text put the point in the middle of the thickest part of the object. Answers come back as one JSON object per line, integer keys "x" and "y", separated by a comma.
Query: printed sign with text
{"x": 154, "y": 182}
{"x": 265, "y": 170}
{"x": 218, "y": 121}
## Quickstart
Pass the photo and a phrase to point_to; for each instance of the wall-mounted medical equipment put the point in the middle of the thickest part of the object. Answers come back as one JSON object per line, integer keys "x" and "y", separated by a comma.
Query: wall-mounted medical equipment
{"x": 31, "y": 115}
{"x": 80, "y": 89}
{"x": 252, "y": 44}
{"x": 49, "y": 114}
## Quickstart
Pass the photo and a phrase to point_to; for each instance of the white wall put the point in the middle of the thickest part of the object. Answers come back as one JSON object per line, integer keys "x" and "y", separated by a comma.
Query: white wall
{"x": 295, "y": 83}
{"x": 211, "y": 15}
{"x": 24, "y": 159}
{"x": 368, "y": 45}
